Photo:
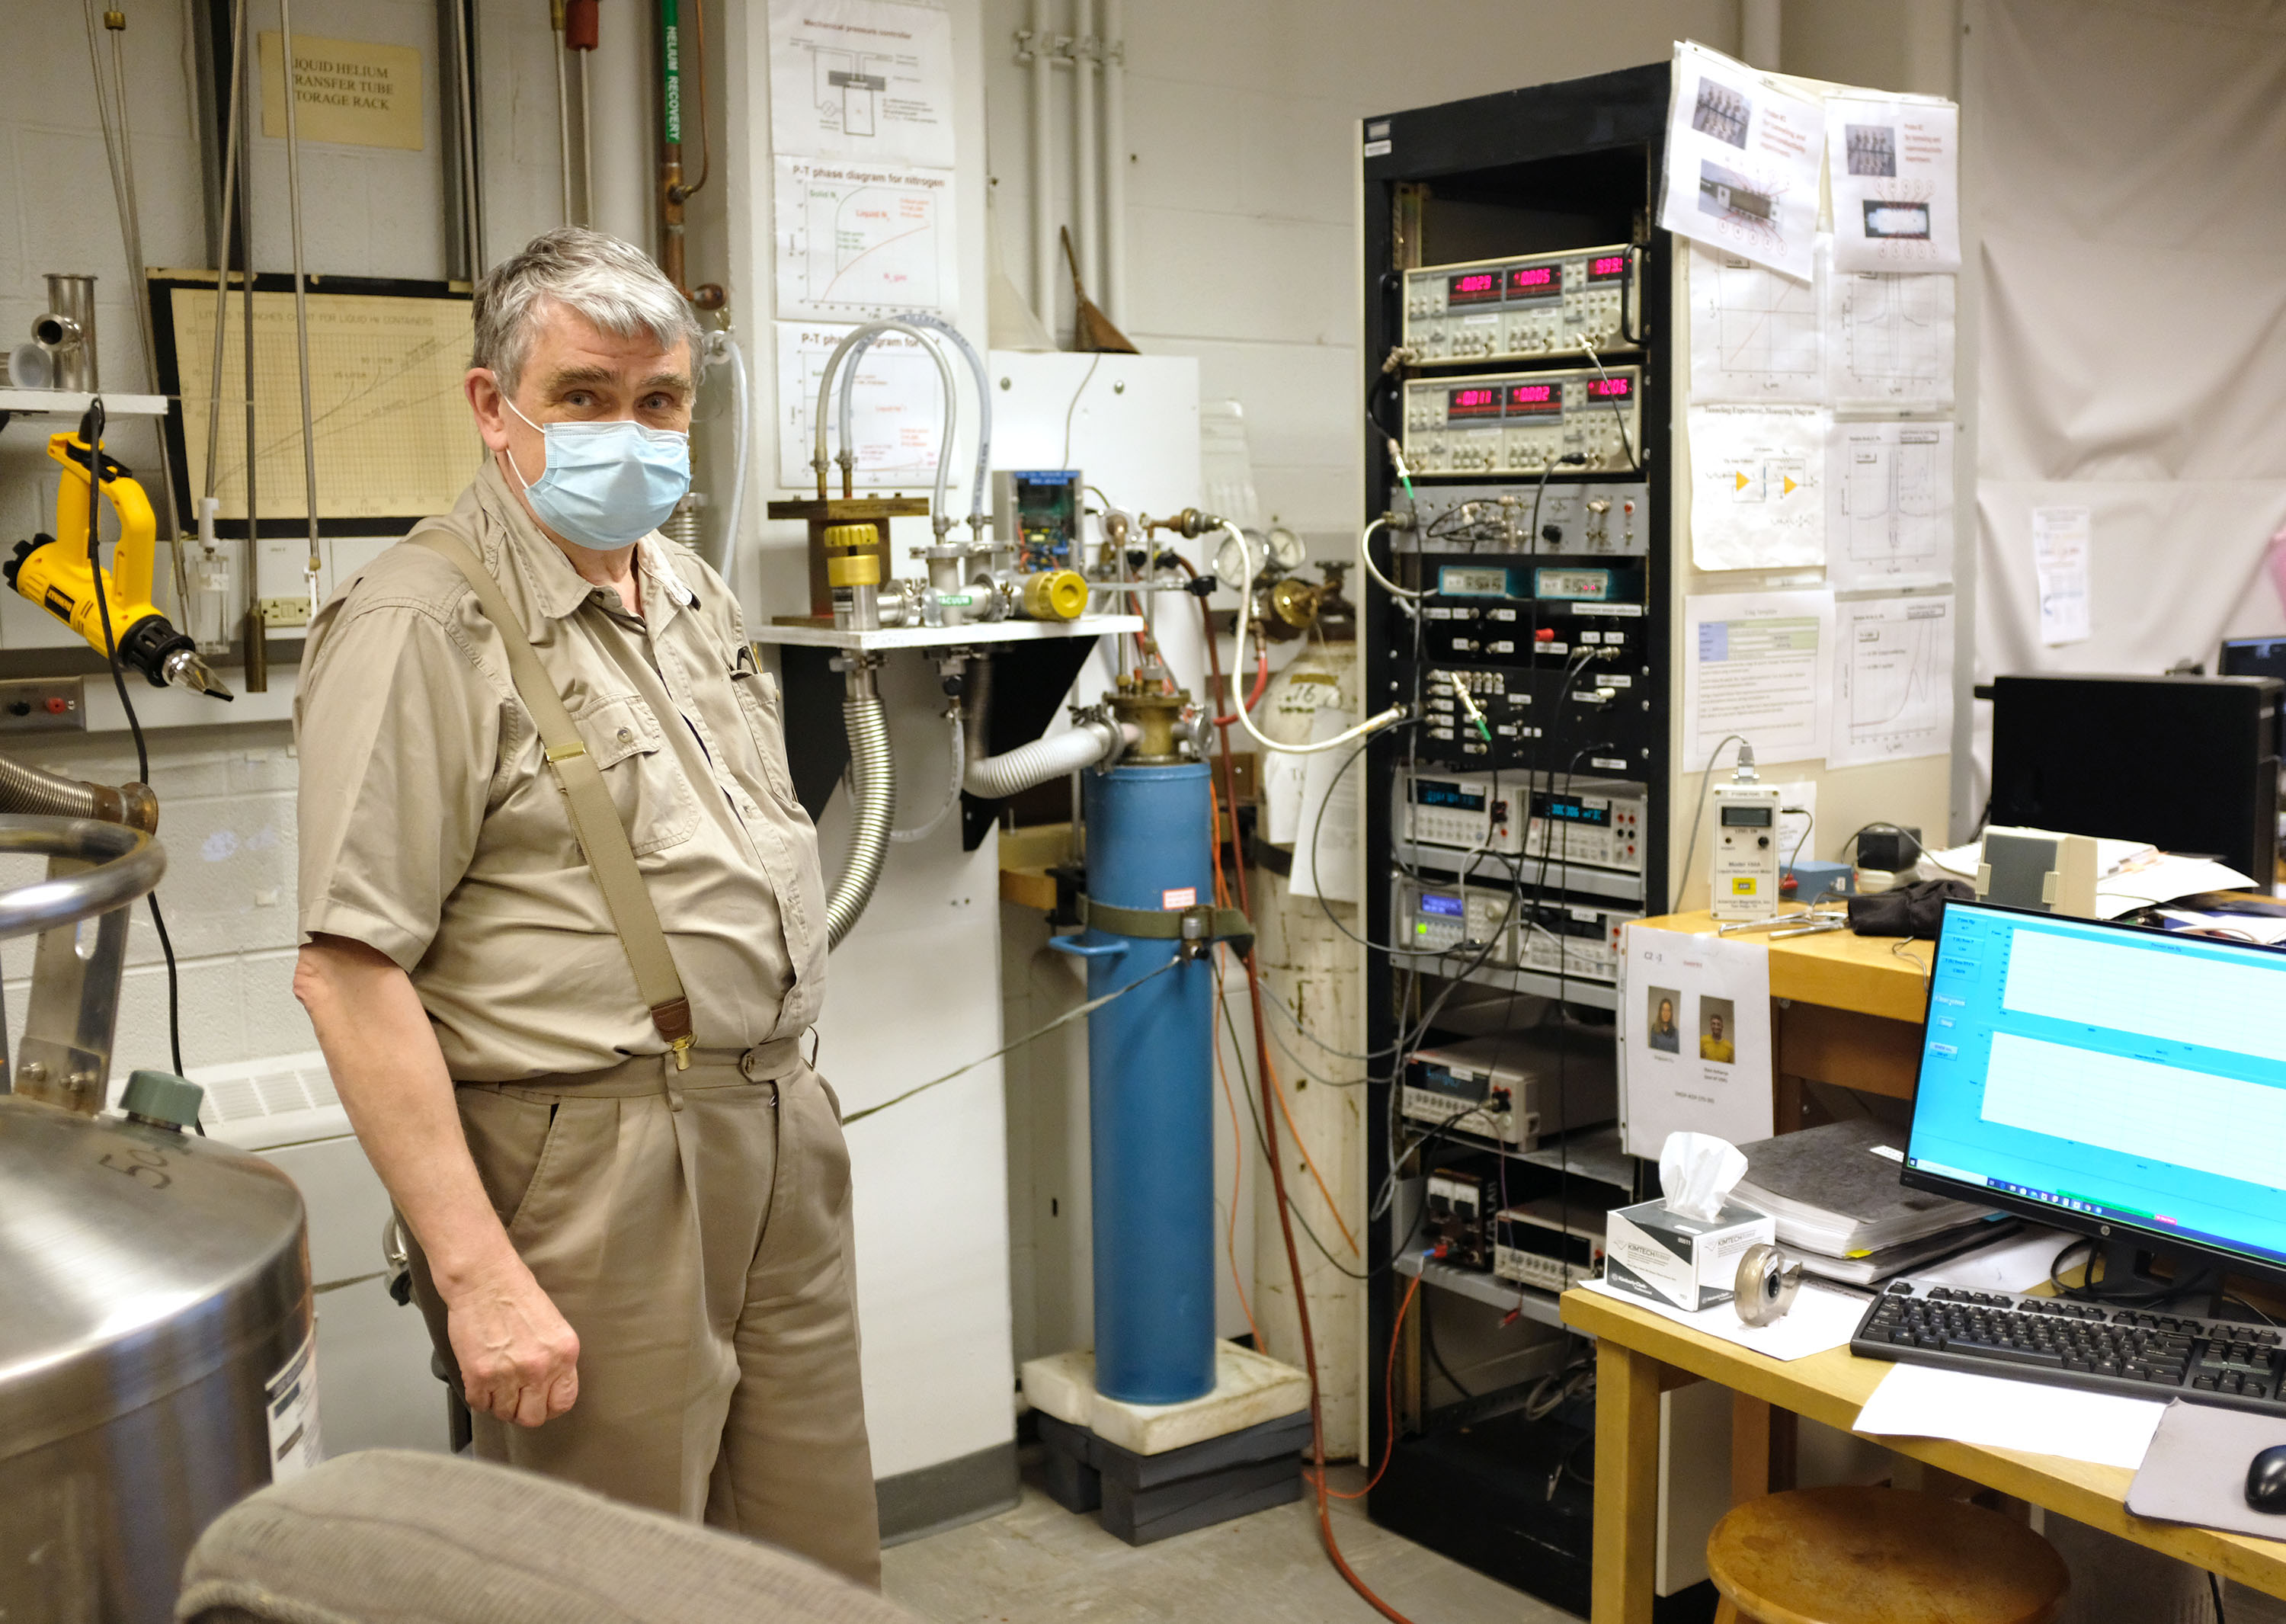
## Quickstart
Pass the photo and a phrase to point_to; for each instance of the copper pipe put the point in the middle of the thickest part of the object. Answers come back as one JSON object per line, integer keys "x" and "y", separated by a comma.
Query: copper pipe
{"x": 708, "y": 295}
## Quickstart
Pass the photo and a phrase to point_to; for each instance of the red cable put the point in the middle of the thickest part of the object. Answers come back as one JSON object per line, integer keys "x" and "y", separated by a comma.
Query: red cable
{"x": 1285, "y": 1211}
{"x": 1261, "y": 677}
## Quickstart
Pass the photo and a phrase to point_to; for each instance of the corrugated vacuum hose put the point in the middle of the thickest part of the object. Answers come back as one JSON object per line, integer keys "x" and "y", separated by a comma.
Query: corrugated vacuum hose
{"x": 872, "y": 803}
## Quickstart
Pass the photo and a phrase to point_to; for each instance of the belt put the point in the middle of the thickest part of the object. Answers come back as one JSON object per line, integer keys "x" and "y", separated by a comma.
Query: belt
{"x": 645, "y": 1073}
{"x": 1193, "y": 925}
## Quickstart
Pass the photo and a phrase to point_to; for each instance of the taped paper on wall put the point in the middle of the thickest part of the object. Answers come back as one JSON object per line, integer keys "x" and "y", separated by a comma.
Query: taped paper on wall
{"x": 1326, "y": 840}
{"x": 1743, "y": 162}
{"x": 1758, "y": 486}
{"x": 1890, "y": 340}
{"x": 1697, "y": 1014}
{"x": 896, "y": 408}
{"x": 1893, "y": 166}
{"x": 2060, "y": 558}
{"x": 1890, "y": 504}
{"x": 861, "y": 79}
{"x": 1754, "y": 664}
{"x": 1754, "y": 332}
{"x": 857, "y": 241}
{"x": 1893, "y": 663}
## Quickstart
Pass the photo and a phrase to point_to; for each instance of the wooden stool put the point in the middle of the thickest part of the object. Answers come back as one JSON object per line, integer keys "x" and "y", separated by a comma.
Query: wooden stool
{"x": 1878, "y": 1556}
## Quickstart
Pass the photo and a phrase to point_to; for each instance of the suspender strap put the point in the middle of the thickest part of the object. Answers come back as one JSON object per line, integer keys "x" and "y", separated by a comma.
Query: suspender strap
{"x": 595, "y": 820}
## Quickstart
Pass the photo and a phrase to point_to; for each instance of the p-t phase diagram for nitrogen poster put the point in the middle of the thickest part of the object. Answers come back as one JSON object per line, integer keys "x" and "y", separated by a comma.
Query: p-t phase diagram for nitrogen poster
{"x": 857, "y": 241}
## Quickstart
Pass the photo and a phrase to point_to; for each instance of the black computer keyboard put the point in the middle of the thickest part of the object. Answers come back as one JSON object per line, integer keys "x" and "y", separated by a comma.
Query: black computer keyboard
{"x": 2139, "y": 1352}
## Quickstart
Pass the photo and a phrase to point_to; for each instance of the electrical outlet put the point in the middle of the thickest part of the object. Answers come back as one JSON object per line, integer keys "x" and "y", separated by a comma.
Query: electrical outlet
{"x": 286, "y": 612}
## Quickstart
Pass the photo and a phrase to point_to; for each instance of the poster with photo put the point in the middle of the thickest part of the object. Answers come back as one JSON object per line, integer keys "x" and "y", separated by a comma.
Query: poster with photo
{"x": 1893, "y": 166}
{"x": 1696, "y": 1050}
{"x": 1743, "y": 160}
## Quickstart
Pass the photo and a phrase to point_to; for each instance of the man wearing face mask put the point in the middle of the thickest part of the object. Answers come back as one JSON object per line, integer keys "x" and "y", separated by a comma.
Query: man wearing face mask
{"x": 563, "y": 926}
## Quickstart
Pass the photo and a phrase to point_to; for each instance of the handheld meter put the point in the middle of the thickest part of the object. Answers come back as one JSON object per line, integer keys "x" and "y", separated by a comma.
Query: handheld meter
{"x": 1745, "y": 878}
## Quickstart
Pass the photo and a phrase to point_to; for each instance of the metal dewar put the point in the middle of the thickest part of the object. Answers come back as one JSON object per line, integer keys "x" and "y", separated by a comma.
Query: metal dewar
{"x": 1150, "y": 1087}
{"x": 153, "y": 1285}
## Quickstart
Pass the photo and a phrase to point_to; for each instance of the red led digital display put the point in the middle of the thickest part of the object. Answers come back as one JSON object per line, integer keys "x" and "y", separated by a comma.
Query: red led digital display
{"x": 1607, "y": 268}
{"x": 1612, "y": 388}
{"x": 1535, "y": 282}
{"x": 1535, "y": 400}
{"x": 1464, "y": 404}
{"x": 1473, "y": 288}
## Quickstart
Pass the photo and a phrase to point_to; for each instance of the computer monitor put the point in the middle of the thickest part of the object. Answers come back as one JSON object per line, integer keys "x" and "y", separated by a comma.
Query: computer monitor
{"x": 2124, "y": 1082}
{"x": 2257, "y": 657}
{"x": 2188, "y": 764}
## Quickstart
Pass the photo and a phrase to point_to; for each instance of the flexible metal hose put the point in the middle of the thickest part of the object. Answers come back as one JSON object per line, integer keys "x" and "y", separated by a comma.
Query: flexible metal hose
{"x": 996, "y": 777}
{"x": 872, "y": 804}
{"x": 29, "y": 790}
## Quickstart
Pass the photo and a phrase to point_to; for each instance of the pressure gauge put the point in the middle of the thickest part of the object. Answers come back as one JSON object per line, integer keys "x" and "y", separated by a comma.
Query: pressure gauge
{"x": 1286, "y": 549}
{"x": 1238, "y": 560}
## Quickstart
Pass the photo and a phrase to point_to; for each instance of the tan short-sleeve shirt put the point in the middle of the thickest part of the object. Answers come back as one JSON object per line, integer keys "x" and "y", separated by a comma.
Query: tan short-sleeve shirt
{"x": 432, "y": 829}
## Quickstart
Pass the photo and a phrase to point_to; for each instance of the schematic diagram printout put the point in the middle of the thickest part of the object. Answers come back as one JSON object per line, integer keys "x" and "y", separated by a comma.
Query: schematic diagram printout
{"x": 1754, "y": 332}
{"x": 861, "y": 79}
{"x": 1889, "y": 339}
{"x": 1758, "y": 486}
{"x": 896, "y": 408}
{"x": 857, "y": 241}
{"x": 394, "y": 439}
{"x": 1890, "y": 504}
{"x": 1893, "y": 662}
{"x": 1755, "y": 664}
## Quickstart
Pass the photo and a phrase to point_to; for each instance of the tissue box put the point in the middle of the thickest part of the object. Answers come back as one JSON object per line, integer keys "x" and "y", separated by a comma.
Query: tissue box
{"x": 1686, "y": 1262}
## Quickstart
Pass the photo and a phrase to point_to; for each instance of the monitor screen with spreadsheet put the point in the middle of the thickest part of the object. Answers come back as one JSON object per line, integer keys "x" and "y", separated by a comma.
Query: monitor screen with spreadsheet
{"x": 2120, "y": 1081}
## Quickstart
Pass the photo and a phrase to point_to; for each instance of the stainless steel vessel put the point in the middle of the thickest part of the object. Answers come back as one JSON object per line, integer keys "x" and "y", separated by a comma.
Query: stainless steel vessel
{"x": 155, "y": 1310}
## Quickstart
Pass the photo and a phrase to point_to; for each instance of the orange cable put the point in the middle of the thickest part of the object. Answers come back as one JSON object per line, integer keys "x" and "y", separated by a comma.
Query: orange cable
{"x": 1237, "y": 1179}
{"x": 1389, "y": 1450}
{"x": 1309, "y": 1162}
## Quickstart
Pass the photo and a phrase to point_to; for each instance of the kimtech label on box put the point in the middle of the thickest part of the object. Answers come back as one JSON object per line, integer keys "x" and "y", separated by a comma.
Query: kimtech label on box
{"x": 1686, "y": 1262}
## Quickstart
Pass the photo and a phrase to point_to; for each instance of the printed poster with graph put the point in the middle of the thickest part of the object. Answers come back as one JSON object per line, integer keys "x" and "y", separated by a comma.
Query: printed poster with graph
{"x": 857, "y": 240}
{"x": 1893, "y": 669}
{"x": 1890, "y": 340}
{"x": 393, "y": 435}
{"x": 866, "y": 81}
{"x": 1754, "y": 332}
{"x": 1890, "y": 504}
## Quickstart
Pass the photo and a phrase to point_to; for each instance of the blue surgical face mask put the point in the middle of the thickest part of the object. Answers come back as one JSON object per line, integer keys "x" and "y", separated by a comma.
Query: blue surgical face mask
{"x": 607, "y": 484}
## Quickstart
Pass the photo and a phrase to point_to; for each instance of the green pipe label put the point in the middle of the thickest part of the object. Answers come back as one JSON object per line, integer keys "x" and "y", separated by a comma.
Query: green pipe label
{"x": 670, "y": 33}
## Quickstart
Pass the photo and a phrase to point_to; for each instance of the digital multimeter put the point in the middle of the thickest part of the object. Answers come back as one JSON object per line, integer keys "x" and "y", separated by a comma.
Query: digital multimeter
{"x": 1745, "y": 878}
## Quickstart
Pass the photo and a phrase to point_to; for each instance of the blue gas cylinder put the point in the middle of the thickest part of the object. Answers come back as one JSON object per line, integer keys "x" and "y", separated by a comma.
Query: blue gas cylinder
{"x": 1150, "y": 1087}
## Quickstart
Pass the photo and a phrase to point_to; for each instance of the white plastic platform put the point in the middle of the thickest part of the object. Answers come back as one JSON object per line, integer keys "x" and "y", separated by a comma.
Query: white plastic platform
{"x": 1249, "y": 1389}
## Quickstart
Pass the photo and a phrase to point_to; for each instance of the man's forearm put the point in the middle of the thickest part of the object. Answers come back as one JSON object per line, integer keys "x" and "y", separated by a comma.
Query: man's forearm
{"x": 391, "y": 1077}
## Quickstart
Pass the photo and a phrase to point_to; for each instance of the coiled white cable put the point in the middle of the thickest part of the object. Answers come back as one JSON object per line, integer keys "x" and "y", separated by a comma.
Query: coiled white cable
{"x": 1365, "y": 557}
{"x": 1347, "y": 736}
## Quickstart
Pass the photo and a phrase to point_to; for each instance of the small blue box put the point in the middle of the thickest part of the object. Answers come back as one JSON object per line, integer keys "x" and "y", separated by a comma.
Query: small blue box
{"x": 1807, "y": 880}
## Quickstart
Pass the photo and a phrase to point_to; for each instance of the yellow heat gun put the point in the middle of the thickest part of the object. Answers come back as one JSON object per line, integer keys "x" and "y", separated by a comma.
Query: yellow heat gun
{"x": 60, "y": 577}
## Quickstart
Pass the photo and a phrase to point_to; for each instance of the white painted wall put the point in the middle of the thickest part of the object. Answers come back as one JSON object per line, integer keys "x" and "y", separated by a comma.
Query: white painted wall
{"x": 1242, "y": 175}
{"x": 225, "y": 788}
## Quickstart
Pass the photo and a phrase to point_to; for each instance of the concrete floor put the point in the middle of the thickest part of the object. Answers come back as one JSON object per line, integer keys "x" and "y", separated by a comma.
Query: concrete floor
{"x": 1039, "y": 1563}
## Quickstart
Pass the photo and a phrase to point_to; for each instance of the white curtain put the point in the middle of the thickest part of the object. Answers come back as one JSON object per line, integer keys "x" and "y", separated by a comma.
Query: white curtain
{"x": 2126, "y": 168}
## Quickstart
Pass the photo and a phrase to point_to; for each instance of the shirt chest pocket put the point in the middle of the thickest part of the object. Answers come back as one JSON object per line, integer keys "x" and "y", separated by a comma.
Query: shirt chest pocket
{"x": 623, "y": 737}
{"x": 765, "y": 715}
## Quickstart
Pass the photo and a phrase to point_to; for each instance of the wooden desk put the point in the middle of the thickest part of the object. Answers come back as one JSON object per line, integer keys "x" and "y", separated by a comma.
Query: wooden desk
{"x": 1638, "y": 1356}
{"x": 1846, "y": 1010}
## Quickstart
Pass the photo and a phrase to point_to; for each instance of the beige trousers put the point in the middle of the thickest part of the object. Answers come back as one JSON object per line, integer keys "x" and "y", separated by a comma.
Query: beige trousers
{"x": 694, "y": 1229}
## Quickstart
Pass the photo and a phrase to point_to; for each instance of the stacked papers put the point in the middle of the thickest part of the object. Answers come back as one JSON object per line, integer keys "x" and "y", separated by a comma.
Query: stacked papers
{"x": 1835, "y": 1192}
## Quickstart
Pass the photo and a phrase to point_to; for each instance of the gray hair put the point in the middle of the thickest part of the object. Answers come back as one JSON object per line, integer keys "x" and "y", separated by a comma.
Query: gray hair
{"x": 610, "y": 283}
